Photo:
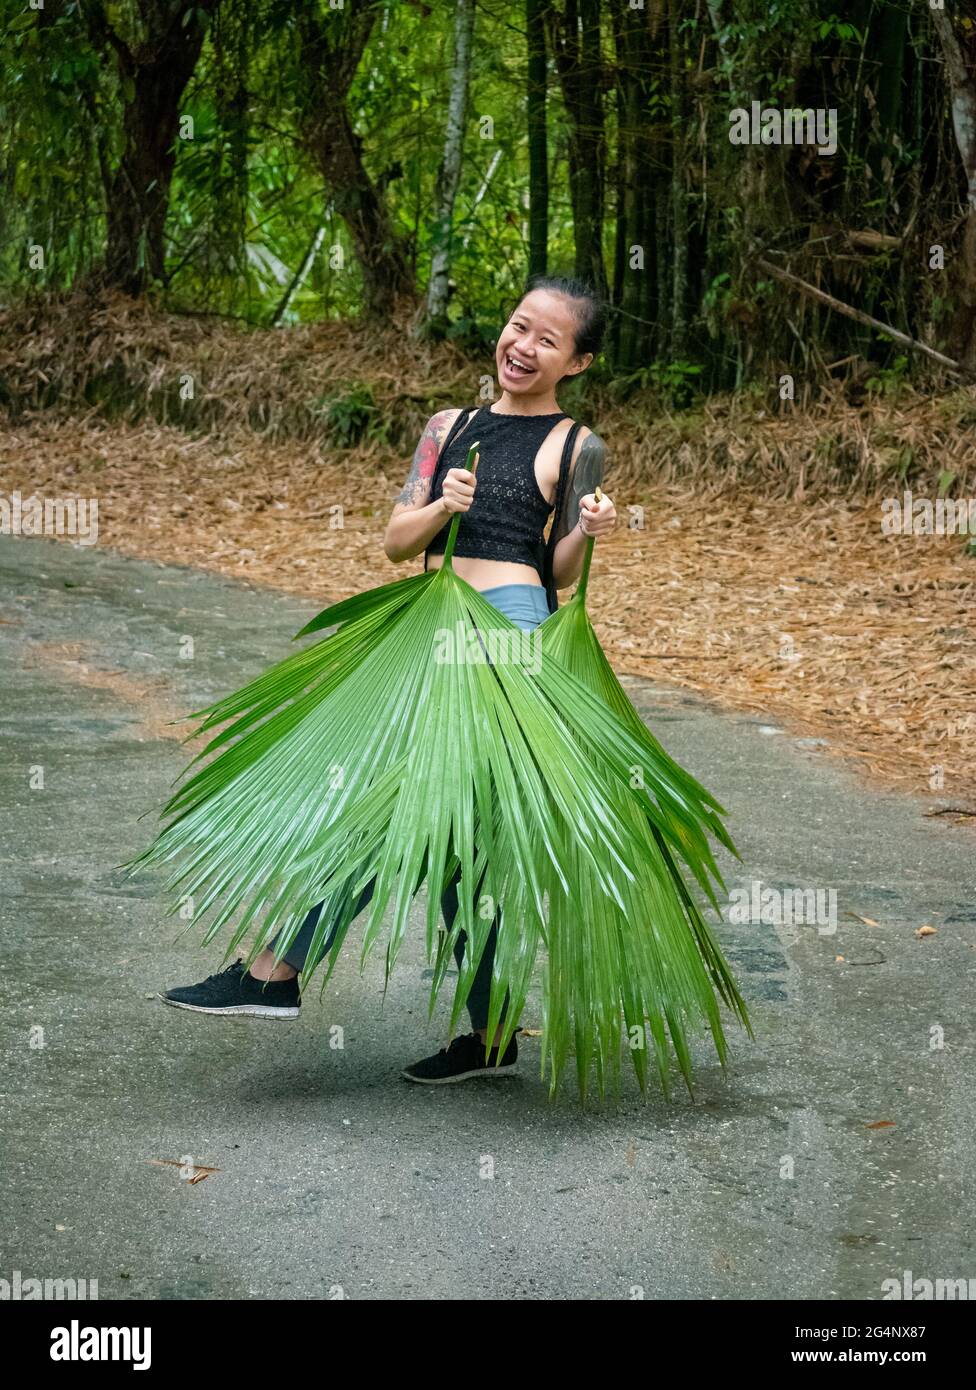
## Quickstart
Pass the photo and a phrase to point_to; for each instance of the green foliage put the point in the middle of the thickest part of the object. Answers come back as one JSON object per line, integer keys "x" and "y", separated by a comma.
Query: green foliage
{"x": 247, "y": 207}
{"x": 889, "y": 382}
{"x": 354, "y": 417}
{"x": 473, "y": 334}
{"x": 906, "y": 458}
{"x": 715, "y": 302}
{"x": 946, "y": 478}
{"x": 840, "y": 29}
{"x": 676, "y": 381}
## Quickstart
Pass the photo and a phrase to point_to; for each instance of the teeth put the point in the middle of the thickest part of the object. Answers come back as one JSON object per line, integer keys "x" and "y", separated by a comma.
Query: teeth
{"x": 524, "y": 367}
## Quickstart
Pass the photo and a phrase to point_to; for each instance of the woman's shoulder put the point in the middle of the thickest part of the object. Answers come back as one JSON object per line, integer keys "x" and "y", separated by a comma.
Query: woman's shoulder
{"x": 438, "y": 427}
{"x": 442, "y": 421}
{"x": 584, "y": 431}
{"x": 441, "y": 424}
{"x": 588, "y": 439}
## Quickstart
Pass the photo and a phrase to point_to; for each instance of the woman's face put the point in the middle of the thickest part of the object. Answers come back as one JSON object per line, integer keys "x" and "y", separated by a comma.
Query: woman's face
{"x": 537, "y": 346}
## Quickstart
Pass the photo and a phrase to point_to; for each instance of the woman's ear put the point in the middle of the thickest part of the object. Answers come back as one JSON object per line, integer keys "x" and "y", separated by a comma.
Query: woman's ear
{"x": 580, "y": 365}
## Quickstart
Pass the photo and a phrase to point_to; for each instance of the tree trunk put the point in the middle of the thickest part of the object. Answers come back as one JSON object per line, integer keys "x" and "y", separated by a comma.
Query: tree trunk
{"x": 636, "y": 251}
{"x": 680, "y": 230}
{"x": 332, "y": 45}
{"x": 538, "y": 139}
{"x": 496, "y": 159}
{"x": 449, "y": 174}
{"x": 153, "y": 75}
{"x": 575, "y": 41}
{"x": 299, "y": 277}
{"x": 960, "y": 61}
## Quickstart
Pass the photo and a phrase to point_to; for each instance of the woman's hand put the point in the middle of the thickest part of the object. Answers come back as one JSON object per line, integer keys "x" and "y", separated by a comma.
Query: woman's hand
{"x": 597, "y": 518}
{"x": 458, "y": 490}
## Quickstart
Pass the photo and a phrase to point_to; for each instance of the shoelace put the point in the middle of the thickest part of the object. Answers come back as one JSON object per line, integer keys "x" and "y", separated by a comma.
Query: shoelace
{"x": 237, "y": 965}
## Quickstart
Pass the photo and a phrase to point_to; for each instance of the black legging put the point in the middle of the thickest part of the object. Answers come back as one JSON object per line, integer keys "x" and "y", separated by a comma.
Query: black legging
{"x": 480, "y": 993}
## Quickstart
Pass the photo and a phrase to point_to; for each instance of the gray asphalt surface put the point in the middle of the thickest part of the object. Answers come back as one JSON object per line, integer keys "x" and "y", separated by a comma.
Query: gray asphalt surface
{"x": 335, "y": 1177}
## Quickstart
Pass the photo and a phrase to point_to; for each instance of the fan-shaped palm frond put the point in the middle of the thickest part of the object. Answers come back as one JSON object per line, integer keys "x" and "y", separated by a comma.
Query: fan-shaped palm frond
{"x": 394, "y": 752}
{"x": 652, "y": 961}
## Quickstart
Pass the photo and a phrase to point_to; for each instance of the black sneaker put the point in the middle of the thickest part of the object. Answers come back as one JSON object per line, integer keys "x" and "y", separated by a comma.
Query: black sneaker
{"x": 463, "y": 1059}
{"x": 235, "y": 991}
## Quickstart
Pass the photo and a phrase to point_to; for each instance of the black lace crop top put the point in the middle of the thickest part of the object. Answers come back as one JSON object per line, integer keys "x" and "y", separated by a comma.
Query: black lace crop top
{"x": 507, "y": 519}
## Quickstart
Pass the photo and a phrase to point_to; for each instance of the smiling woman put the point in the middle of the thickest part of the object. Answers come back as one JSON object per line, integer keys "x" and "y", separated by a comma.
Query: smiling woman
{"x": 487, "y": 784}
{"x": 554, "y": 333}
{"x": 536, "y": 460}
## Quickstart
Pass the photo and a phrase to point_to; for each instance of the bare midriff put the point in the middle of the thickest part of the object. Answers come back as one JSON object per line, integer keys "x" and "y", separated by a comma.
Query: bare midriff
{"x": 488, "y": 574}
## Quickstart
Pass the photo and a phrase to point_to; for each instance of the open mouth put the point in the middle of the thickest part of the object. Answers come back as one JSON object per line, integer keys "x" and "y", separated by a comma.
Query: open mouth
{"x": 517, "y": 367}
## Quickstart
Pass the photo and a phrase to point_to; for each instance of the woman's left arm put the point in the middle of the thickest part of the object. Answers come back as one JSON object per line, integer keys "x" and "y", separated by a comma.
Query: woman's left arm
{"x": 584, "y": 516}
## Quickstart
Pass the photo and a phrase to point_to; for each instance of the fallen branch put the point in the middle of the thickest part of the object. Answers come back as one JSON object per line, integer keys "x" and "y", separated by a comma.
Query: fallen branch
{"x": 858, "y": 314}
{"x": 874, "y": 241}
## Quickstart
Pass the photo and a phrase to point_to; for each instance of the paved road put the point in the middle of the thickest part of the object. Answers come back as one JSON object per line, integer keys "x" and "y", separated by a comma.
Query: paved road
{"x": 335, "y": 1176}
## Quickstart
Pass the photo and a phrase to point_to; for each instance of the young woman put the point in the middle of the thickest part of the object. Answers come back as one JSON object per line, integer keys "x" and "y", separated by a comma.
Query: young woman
{"x": 531, "y": 460}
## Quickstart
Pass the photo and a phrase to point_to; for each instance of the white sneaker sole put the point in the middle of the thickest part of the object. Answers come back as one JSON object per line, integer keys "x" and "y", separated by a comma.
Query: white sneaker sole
{"x": 461, "y": 1076}
{"x": 252, "y": 1010}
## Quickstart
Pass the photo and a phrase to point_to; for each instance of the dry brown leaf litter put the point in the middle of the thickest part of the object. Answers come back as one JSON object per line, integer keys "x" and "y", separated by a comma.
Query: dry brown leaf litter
{"x": 802, "y": 611}
{"x": 129, "y": 360}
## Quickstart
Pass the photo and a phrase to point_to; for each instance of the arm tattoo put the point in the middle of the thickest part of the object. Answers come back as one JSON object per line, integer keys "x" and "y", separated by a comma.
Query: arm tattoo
{"x": 416, "y": 489}
{"x": 587, "y": 474}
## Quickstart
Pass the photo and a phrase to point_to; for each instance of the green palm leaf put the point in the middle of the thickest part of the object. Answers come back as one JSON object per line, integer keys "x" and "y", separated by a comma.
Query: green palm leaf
{"x": 654, "y": 961}
{"x": 372, "y": 758}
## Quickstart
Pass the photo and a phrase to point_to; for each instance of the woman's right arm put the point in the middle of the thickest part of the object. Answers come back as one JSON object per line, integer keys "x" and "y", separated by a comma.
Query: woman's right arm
{"x": 415, "y": 519}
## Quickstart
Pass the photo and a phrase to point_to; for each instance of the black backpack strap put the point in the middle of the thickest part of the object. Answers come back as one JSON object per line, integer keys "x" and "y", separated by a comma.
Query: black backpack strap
{"x": 547, "y": 577}
{"x": 463, "y": 418}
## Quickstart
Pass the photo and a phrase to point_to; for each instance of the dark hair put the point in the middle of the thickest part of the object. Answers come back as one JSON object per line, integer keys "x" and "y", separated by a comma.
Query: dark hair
{"x": 589, "y": 308}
